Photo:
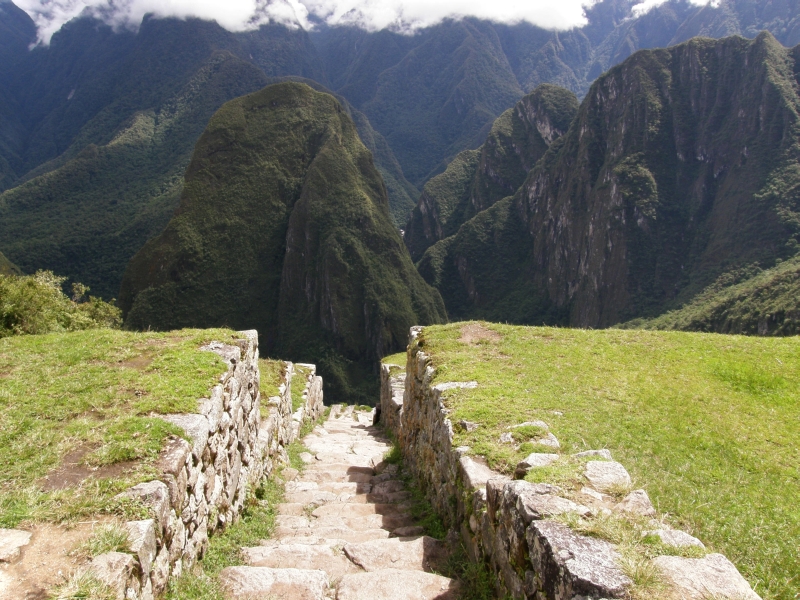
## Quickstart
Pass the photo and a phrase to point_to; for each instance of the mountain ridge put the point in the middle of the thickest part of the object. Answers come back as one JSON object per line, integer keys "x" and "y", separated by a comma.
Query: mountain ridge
{"x": 681, "y": 165}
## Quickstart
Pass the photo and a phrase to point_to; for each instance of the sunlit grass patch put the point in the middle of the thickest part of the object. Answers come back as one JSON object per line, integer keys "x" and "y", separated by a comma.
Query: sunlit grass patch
{"x": 81, "y": 415}
{"x": 706, "y": 423}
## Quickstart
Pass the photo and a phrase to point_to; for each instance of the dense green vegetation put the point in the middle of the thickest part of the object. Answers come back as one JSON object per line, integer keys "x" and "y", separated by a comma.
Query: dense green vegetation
{"x": 36, "y": 304}
{"x": 656, "y": 191}
{"x": 87, "y": 398}
{"x": 284, "y": 227}
{"x": 89, "y": 216}
{"x": 749, "y": 301}
{"x": 707, "y": 424}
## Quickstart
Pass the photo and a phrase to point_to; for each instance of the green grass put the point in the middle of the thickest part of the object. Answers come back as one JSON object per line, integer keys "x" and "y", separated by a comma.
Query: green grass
{"x": 707, "y": 424}
{"x": 271, "y": 373}
{"x": 94, "y": 395}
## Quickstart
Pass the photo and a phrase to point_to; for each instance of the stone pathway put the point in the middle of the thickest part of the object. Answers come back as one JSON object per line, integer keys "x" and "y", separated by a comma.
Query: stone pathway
{"x": 344, "y": 531}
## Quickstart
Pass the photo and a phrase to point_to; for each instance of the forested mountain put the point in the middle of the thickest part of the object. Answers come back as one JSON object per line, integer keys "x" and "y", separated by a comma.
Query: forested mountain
{"x": 681, "y": 165}
{"x": 97, "y": 128}
{"x": 284, "y": 226}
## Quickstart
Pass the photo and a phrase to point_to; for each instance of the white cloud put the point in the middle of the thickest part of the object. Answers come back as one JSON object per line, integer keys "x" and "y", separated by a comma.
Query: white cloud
{"x": 239, "y": 15}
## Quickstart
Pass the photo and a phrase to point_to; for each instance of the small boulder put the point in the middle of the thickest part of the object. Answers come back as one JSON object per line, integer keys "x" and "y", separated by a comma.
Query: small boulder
{"x": 467, "y": 425}
{"x": 11, "y": 543}
{"x": 713, "y": 576}
{"x": 637, "y": 503}
{"x": 604, "y": 475}
{"x": 604, "y": 453}
{"x": 675, "y": 537}
{"x": 533, "y": 461}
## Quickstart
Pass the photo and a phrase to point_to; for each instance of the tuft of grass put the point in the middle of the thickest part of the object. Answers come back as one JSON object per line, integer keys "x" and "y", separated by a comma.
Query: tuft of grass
{"x": 476, "y": 579}
{"x": 707, "y": 422}
{"x": 271, "y": 374}
{"x": 83, "y": 586}
{"x": 95, "y": 395}
{"x": 395, "y": 359}
{"x": 111, "y": 537}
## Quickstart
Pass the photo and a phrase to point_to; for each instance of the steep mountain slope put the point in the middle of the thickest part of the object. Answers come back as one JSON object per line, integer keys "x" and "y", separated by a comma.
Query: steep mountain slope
{"x": 748, "y": 301}
{"x": 284, "y": 226}
{"x": 147, "y": 96}
{"x": 17, "y": 31}
{"x": 435, "y": 93}
{"x": 682, "y": 164}
{"x": 89, "y": 216}
{"x": 476, "y": 179}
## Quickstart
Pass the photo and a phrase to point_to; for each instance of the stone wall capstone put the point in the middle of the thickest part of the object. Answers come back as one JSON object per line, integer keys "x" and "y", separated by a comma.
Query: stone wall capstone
{"x": 507, "y": 524}
{"x": 228, "y": 450}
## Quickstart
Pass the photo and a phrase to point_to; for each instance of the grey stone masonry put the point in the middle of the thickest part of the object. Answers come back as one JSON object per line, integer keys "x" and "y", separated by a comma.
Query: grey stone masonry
{"x": 228, "y": 448}
{"x": 509, "y": 524}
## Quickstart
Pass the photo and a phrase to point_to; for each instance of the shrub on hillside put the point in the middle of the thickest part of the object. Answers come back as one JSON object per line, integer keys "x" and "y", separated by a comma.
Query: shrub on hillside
{"x": 36, "y": 304}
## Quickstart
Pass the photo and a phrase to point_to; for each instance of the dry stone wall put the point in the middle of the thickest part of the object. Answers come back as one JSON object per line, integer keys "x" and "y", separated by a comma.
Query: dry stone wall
{"x": 229, "y": 448}
{"x": 508, "y": 524}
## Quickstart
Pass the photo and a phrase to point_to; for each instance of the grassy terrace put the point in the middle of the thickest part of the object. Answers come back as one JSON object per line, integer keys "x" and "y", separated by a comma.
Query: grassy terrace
{"x": 79, "y": 415}
{"x": 709, "y": 425}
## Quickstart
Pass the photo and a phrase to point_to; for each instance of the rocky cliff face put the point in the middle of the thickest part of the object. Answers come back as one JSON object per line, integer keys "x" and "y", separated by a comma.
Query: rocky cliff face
{"x": 681, "y": 164}
{"x": 477, "y": 179}
{"x": 284, "y": 210}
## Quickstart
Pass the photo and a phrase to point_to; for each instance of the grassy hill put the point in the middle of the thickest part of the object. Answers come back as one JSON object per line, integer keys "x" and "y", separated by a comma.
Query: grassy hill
{"x": 284, "y": 227}
{"x": 707, "y": 424}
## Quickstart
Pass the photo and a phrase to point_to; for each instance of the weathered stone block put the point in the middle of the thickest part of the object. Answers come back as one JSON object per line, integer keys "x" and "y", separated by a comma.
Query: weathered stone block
{"x": 604, "y": 475}
{"x": 142, "y": 542}
{"x": 115, "y": 569}
{"x": 566, "y": 564}
{"x": 713, "y": 576}
{"x": 156, "y": 496}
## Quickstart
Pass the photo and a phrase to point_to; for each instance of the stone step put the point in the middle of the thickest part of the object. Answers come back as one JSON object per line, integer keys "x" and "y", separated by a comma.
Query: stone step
{"x": 414, "y": 554}
{"x": 354, "y": 510}
{"x": 327, "y": 558}
{"x": 350, "y": 473}
{"x": 342, "y": 533}
{"x": 326, "y": 456}
{"x": 386, "y": 522}
{"x": 396, "y": 584}
{"x": 267, "y": 583}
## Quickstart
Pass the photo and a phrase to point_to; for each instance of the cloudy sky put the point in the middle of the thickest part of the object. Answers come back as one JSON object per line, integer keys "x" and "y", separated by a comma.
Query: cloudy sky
{"x": 238, "y": 15}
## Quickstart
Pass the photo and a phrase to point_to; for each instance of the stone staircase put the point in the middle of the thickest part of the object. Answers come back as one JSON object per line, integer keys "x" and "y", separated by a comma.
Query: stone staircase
{"x": 344, "y": 531}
